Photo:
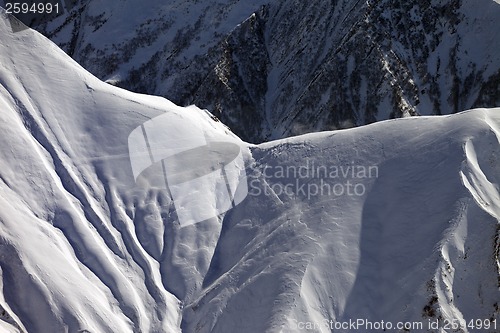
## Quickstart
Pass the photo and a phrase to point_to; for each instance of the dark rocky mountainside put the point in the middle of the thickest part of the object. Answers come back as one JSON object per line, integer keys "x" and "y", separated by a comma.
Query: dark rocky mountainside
{"x": 274, "y": 69}
{"x": 124, "y": 213}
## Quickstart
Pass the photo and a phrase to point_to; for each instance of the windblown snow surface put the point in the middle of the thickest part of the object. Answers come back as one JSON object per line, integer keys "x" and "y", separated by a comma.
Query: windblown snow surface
{"x": 271, "y": 69}
{"x": 413, "y": 238}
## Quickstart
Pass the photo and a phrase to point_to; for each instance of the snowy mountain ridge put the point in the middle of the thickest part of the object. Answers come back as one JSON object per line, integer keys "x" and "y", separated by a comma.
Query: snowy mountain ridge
{"x": 84, "y": 249}
{"x": 272, "y": 69}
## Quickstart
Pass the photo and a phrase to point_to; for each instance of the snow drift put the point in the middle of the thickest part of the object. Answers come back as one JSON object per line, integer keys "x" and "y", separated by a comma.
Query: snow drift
{"x": 396, "y": 221}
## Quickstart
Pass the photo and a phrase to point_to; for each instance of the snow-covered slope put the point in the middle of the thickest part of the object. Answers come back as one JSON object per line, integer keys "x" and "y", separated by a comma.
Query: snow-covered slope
{"x": 79, "y": 248}
{"x": 395, "y": 221}
{"x": 271, "y": 69}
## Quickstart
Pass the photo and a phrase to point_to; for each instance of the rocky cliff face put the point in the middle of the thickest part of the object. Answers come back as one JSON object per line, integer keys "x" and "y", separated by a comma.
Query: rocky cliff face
{"x": 274, "y": 69}
{"x": 396, "y": 222}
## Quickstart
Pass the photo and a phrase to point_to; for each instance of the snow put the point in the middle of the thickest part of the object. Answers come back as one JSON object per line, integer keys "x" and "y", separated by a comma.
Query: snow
{"x": 85, "y": 247}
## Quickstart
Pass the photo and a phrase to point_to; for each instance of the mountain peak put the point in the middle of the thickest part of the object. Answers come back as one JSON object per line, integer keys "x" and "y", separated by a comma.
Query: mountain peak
{"x": 394, "y": 222}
